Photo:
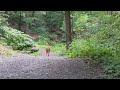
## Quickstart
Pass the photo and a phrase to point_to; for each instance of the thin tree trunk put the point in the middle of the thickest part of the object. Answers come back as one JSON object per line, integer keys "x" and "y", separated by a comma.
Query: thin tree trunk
{"x": 27, "y": 25}
{"x": 111, "y": 12}
{"x": 33, "y": 13}
{"x": 107, "y": 12}
{"x": 20, "y": 21}
{"x": 6, "y": 12}
{"x": 68, "y": 28}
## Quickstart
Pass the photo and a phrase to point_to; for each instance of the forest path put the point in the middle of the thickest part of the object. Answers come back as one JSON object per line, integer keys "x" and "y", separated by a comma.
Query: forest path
{"x": 43, "y": 67}
{"x": 43, "y": 52}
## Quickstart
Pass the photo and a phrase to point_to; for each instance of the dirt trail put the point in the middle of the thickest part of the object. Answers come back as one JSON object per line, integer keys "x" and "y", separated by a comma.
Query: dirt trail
{"x": 43, "y": 67}
{"x": 43, "y": 52}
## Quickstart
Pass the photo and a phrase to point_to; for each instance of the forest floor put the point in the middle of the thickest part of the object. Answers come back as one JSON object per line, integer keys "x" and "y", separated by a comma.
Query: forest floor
{"x": 25, "y": 66}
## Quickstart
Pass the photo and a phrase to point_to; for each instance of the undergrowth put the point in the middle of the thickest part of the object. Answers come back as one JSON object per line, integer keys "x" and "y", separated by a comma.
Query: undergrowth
{"x": 6, "y": 51}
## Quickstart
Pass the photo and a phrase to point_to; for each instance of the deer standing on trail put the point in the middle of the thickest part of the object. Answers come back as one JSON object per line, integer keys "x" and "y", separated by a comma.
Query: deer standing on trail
{"x": 48, "y": 49}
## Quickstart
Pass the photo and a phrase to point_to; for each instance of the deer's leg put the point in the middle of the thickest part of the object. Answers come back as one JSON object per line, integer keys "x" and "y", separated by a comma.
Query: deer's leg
{"x": 46, "y": 53}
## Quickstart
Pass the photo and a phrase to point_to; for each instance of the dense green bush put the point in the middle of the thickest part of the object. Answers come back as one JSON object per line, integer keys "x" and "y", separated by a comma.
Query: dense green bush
{"x": 97, "y": 40}
{"x": 90, "y": 49}
{"x": 16, "y": 39}
{"x": 112, "y": 69}
{"x": 42, "y": 40}
{"x": 59, "y": 49}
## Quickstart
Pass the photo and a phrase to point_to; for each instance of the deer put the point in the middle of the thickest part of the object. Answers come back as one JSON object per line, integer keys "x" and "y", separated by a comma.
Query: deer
{"x": 48, "y": 49}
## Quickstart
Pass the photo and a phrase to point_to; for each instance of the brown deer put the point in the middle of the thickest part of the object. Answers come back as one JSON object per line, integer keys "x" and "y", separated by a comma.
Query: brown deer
{"x": 48, "y": 49}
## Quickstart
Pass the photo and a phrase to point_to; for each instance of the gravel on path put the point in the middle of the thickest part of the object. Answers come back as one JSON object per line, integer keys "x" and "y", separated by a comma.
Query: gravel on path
{"x": 42, "y": 67}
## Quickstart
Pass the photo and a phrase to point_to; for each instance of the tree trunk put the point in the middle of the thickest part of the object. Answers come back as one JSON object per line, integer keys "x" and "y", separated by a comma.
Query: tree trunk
{"x": 6, "y": 12}
{"x": 68, "y": 29}
{"x": 20, "y": 21}
{"x": 33, "y": 13}
{"x": 27, "y": 25}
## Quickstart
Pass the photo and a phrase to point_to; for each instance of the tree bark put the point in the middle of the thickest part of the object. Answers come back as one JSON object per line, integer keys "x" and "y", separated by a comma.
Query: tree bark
{"x": 68, "y": 29}
{"x": 20, "y": 21}
{"x": 33, "y": 13}
{"x": 27, "y": 25}
{"x": 6, "y": 12}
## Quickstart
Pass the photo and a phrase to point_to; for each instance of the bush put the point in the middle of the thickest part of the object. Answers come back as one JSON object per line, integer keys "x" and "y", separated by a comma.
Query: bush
{"x": 59, "y": 49}
{"x": 42, "y": 40}
{"x": 52, "y": 36}
{"x": 97, "y": 40}
{"x": 113, "y": 69}
{"x": 92, "y": 50}
{"x": 16, "y": 39}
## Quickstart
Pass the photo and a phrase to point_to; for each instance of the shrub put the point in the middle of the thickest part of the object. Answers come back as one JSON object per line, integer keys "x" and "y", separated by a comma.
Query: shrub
{"x": 16, "y": 39}
{"x": 113, "y": 69}
{"x": 42, "y": 40}
{"x": 97, "y": 40}
{"x": 59, "y": 49}
{"x": 90, "y": 49}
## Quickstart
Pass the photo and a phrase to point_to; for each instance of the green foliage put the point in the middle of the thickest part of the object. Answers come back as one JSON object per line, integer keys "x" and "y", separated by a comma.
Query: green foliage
{"x": 16, "y": 39}
{"x": 35, "y": 54}
{"x": 97, "y": 40}
{"x": 39, "y": 24}
{"x": 90, "y": 49}
{"x": 52, "y": 36}
{"x": 42, "y": 40}
{"x": 42, "y": 22}
{"x": 16, "y": 16}
{"x": 54, "y": 18}
{"x": 48, "y": 20}
{"x": 59, "y": 49}
{"x": 113, "y": 69}
{"x": 13, "y": 37}
{"x": 42, "y": 46}
{"x": 3, "y": 21}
